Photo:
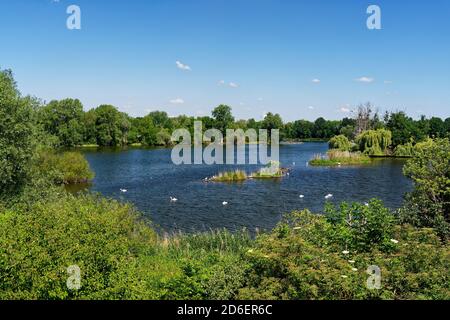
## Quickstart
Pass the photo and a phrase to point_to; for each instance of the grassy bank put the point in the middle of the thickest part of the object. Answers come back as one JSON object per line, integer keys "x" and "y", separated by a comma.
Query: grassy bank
{"x": 340, "y": 158}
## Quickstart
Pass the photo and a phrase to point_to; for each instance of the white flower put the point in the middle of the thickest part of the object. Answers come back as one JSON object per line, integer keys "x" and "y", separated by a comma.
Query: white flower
{"x": 344, "y": 277}
{"x": 351, "y": 261}
{"x": 345, "y": 252}
{"x": 354, "y": 269}
{"x": 394, "y": 241}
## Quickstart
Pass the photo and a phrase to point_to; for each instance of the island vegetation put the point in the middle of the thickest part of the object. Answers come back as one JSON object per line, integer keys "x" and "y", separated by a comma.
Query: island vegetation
{"x": 44, "y": 230}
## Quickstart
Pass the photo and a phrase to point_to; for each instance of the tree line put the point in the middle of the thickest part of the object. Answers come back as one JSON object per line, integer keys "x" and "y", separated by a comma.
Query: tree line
{"x": 69, "y": 125}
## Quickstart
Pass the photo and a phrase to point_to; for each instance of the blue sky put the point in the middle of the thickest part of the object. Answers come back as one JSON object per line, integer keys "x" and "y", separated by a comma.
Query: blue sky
{"x": 254, "y": 55}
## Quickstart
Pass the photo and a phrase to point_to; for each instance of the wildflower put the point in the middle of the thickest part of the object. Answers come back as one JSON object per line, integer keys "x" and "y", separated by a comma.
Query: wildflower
{"x": 344, "y": 276}
{"x": 354, "y": 269}
{"x": 345, "y": 252}
{"x": 394, "y": 241}
{"x": 351, "y": 261}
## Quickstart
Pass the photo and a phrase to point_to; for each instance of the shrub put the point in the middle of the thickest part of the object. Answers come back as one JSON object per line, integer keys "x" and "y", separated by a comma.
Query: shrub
{"x": 101, "y": 236}
{"x": 404, "y": 150}
{"x": 64, "y": 168}
{"x": 309, "y": 256}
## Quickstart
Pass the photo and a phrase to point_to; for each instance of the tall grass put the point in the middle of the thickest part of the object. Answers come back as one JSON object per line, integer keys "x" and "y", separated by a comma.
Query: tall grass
{"x": 237, "y": 175}
{"x": 219, "y": 241}
{"x": 336, "y": 157}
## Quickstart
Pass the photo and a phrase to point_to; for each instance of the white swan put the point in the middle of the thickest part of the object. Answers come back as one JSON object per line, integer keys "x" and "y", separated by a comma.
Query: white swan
{"x": 301, "y": 196}
{"x": 329, "y": 196}
{"x": 123, "y": 190}
{"x": 173, "y": 199}
{"x": 224, "y": 203}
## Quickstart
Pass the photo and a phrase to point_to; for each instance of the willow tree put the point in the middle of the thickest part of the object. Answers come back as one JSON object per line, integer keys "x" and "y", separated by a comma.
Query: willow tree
{"x": 374, "y": 142}
{"x": 340, "y": 142}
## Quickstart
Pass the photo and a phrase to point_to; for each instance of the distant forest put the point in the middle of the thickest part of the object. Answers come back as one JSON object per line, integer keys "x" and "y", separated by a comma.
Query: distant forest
{"x": 69, "y": 125}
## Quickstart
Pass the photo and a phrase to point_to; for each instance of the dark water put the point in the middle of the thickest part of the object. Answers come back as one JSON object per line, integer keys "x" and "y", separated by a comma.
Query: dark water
{"x": 151, "y": 179}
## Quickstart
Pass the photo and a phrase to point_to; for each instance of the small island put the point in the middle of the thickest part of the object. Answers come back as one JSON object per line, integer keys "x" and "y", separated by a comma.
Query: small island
{"x": 271, "y": 171}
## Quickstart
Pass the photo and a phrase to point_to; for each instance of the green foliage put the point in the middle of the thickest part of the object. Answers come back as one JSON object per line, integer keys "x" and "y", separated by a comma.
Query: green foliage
{"x": 64, "y": 168}
{"x": 374, "y": 142}
{"x": 404, "y": 150}
{"x": 17, "y": 136}
{"x": 361, "y": 227}
{"x": 63, "y": 119}
{"x": 101, "y": 236}
{"x": 223, "y": 118}
{"x": 429, "y": 203}
{"x": 340, "y": 142}
{"x": 309, "y": 256}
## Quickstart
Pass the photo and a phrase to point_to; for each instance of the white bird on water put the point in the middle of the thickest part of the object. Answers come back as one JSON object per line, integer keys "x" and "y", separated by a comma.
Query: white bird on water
{"x": 173, "y": 199}
{"x": 329, "y": 196}
{"x": 224, "y": 203}
{"x": 301, "y": 196}
{"x": 123, "y": 190}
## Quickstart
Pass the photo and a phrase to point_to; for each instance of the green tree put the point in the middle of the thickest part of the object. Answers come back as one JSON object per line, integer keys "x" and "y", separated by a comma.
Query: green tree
{"x": 63, "y": 119}
{"x": 437, "y": 128}
{"x": 340, "y": 142}
{"x": 108, "y": 126}
{"x": 428, "y": 205}
{"x": 223, "y": 118}
{"x": 17, "y": 136}
{"x": 374, "y": 142}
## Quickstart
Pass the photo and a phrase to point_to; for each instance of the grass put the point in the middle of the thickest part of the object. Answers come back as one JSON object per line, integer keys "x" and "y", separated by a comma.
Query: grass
{"x": 338, "y": 158}
{"x": 230, "y": 176}
{"x": 267, "y": 175}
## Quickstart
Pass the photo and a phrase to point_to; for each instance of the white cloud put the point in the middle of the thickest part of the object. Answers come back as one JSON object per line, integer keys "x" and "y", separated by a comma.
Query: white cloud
{"x": 231, "y": 84}
{"x": 182, "y": 66}
{"x": 177, "y": 101}
{"x": 315, "y": 80}
{"x": 365, "y": 79}
{"x": 345, "y": 109}
{"x": 310, "y": 107}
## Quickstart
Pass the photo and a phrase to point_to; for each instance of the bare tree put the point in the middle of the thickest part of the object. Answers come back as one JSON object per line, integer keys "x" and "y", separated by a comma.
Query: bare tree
{"x": 363, "y": 118}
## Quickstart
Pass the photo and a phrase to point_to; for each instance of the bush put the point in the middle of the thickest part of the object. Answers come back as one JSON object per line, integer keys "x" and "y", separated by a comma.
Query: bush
{"x": 340, "y": 142}
{"x": 309, "y": 256}
{"x": 428, "y": 205}
{"x": 64, "y": 168}
{"x": 404, "y": 150}
{"x": 101, "y": 236}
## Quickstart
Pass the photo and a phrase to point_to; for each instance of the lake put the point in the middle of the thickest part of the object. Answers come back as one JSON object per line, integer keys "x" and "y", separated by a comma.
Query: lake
{"x": 151, "y": 179}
